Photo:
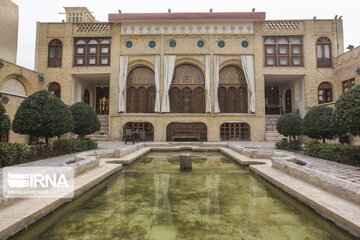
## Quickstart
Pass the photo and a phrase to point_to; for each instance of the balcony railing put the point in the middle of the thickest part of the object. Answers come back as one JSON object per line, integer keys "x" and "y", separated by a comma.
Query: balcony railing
{"x": 324, "y": 63}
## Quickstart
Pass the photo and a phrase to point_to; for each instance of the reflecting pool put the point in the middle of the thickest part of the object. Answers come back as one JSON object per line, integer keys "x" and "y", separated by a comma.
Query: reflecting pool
{"x": 152, "y": 199}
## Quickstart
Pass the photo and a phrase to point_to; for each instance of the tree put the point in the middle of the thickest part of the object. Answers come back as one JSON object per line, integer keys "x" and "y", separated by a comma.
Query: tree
{"x": 289, "y": 125}
{"x": 346, "y": 117}
{"x": 4, "y": 121}
{"x": 42, "y": 114}
{"x": 85, "y": 119}
{"x": 317, "y": 123}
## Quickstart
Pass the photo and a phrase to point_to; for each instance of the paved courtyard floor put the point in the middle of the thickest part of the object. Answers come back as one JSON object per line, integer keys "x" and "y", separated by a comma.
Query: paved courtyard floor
{"x": 346, "y": 172}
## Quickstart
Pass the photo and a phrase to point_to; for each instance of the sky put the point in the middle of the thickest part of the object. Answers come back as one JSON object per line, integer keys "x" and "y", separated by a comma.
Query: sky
{"x": 32, "y": 11}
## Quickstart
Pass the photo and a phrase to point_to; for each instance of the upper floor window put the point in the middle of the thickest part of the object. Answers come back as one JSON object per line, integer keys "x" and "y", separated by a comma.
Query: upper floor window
{"x": 283, "y": 51}
{"x": 140, "y": 92}
{"x": 324, "y": 93}
{"x": 323, "y": 52}
{"x": 187, "y": 90}
{"x": 92, "y": 52}
{"x": 55, "y": 53}
{"x": 347, "y": 84}
{"x": 232, "y": 91}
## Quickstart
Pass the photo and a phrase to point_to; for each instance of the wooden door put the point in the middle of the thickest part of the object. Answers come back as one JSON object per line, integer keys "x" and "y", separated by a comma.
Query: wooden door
{"x": 288, "y": 103}
{"x": 102, "y": 100}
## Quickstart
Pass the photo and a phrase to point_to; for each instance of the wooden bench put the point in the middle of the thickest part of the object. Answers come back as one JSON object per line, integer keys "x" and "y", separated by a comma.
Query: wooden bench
{"x": 185, "y": 135}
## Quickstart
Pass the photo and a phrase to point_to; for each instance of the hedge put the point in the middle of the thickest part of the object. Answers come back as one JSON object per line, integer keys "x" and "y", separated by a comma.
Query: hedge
{"x": 291, "y": 146}
{"x": 346, "y": 154}
{"x": 67, "y": 146}
{"x": 14, "y": 153}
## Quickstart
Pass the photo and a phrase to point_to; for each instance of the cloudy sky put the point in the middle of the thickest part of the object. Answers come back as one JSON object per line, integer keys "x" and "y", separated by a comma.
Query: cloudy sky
{"x": 32, "y": 11}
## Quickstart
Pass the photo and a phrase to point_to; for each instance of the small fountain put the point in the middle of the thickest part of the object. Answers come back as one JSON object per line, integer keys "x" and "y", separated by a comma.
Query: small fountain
{"x": 185, "y": 161}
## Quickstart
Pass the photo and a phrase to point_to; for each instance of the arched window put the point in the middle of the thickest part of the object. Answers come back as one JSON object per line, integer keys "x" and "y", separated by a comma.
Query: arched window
{"x": 324, "y": 93}
{"x": 186, "y": 131}
{"x": 86, "y": 96}
{"x": 323, "y": 52}
{"x": 13, "y": 86}
{"x": 55, "y": 89}
{"x": 187, "y": 90}
{"x": 140, "y": 95}
{"x": 55, "y": 53}
{"x": 138, "y": 127}
{"x": 235, "y": 132}
{"x": 232, "y": 92}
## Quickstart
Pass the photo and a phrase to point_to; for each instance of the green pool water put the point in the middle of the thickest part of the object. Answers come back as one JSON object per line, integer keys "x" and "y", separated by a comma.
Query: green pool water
{"x": 152, "y": 199}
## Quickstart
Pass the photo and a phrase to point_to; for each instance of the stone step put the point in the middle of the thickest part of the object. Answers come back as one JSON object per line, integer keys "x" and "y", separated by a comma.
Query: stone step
{"x": 98, "y": 137}
{"x": 273, "y": 136}
{"x": 104, "y": 125}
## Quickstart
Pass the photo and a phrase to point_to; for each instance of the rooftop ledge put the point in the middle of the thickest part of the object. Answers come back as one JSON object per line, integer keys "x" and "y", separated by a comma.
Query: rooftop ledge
{"x": 123, "y": 17}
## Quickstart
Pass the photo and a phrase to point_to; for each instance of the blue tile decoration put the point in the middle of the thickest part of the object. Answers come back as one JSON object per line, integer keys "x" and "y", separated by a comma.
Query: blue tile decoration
{"x": 152, "y": 44}
{"x": 245, "y": 44}
{"x": 200, "y": 43}
{"x": 221, "y": 44}
{"x": 172, "y": 43}
{"x": 129, "y": 44}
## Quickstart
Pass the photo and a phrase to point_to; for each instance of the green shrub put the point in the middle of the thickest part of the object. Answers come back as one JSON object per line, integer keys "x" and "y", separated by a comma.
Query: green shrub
{"x": 289, "y": 125}
{"x": 291, "y": 146}
{"x": 317, "y": 123}
{"x": 13, "y": 153}
{"x": 4, "y": 121}
{"x": 42, "y": 114}
{"x": 67, "y": 146}
{"x": 85, "y": 119}
{"x": 346, "y": 117}
{"x": 346, "y": 154}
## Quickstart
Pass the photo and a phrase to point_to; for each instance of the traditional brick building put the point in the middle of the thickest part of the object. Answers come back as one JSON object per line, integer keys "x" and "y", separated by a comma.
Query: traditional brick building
{"x": 205, "y": 76}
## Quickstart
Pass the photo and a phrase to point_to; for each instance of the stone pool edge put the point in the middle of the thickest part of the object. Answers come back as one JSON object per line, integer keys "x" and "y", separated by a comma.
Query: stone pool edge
{"x": 340, "y": 211}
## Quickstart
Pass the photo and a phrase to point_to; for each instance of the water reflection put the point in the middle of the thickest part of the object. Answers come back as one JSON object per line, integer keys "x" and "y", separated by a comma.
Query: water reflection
{"x": 154, "y": 200}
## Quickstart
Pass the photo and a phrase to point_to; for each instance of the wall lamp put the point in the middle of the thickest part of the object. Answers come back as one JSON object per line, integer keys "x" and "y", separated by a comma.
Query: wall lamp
{"x": 358, "y": 71}
{"x": 41, "y": 77}
{"x": 1, "y": 64}
{"x": 4, "y": 98}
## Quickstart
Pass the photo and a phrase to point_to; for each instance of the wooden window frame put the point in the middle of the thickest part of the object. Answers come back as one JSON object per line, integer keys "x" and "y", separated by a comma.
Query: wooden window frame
{"x": 86, "y": 55}
{"x": 325, "y": 90}
{"x": 136, "y": 126}
{"x": 192, "y": 86}
{"x": 57, "y": 46}
{"x": 350, "y": 83}
{"x": 235, "y": 131}
{"x": 238, "y": 85}
{"x": 187, "y": 127}
{"x": 289, "y": 55}
{"x": 55, "y": 88}
{"x": 323, "y": 62}
{"x": 133, "y": 107}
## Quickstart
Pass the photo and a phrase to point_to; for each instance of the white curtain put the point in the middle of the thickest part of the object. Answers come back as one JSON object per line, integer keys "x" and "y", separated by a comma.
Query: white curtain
{"x": 169, "y": 66}
{"x": 157, "y": 83}
{"x": 207, "y": 83}
{"x": 247, "y": 62}
{"x": 216, "y": 83}
{"x": 124, "y": 60}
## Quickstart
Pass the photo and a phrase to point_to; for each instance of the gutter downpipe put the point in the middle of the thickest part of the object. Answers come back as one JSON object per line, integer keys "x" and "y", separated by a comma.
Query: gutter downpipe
{"x": 337, "y": 35}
